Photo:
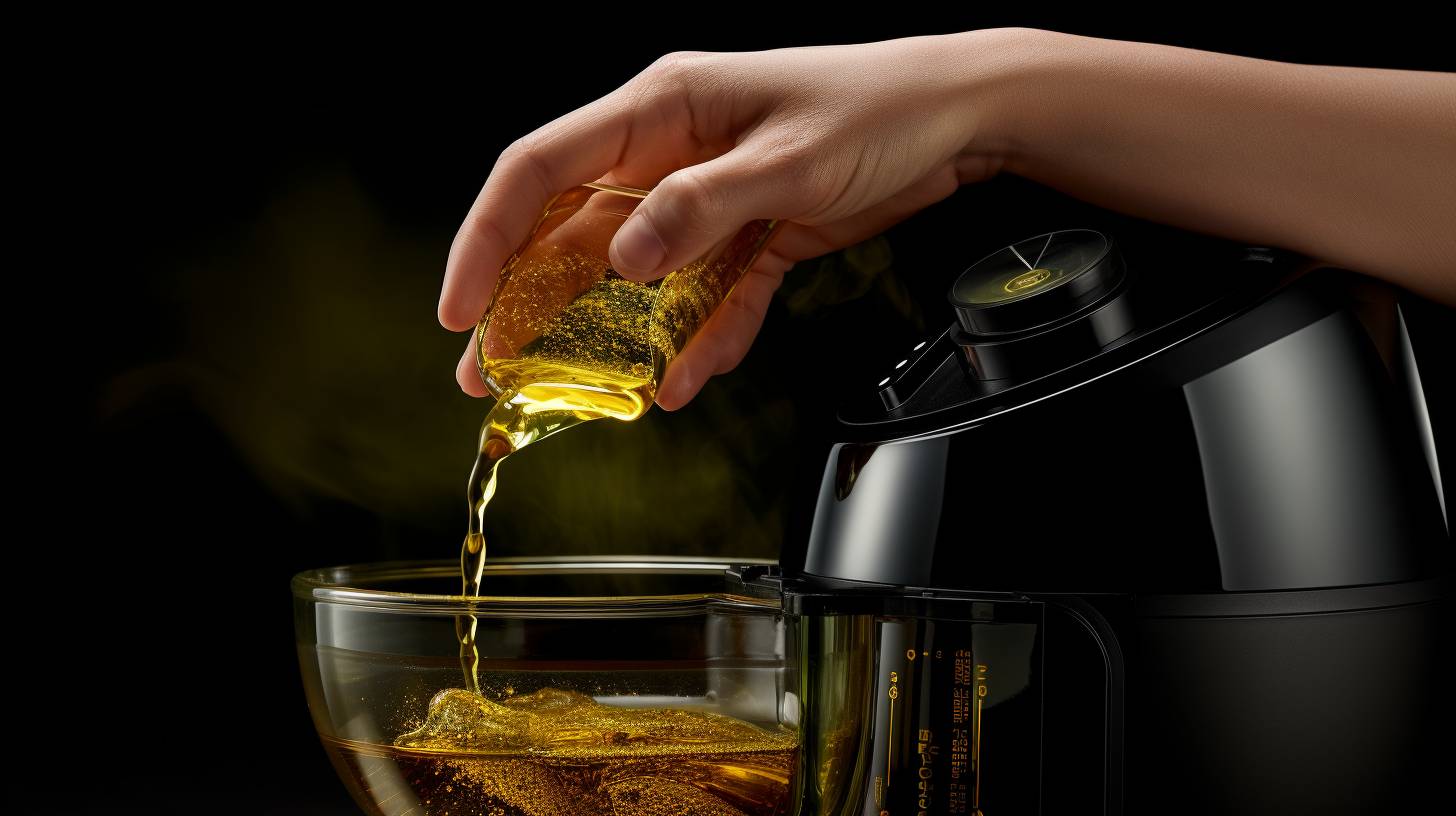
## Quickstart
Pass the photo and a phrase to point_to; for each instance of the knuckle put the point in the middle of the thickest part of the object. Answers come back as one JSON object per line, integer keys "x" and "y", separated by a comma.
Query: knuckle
{"x": 526, "y": 152}
{"x": 672, "y": 73}
{"x": 694, "y": 199}
{"x": 675, "y": 63}
{"x": 524, "y": 148}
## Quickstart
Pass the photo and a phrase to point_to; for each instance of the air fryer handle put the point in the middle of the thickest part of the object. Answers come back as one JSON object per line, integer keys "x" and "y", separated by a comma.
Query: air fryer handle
{"x": 1100, "y": 632}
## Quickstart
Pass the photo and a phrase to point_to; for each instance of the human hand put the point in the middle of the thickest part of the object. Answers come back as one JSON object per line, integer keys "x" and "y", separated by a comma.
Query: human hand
{"x": 840, "y": 142}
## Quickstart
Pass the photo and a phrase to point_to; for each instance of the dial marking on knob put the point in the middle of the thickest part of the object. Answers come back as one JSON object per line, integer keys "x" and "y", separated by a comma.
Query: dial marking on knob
{"x": 1043, "y": 249}
{"x": 1019, "y": 258}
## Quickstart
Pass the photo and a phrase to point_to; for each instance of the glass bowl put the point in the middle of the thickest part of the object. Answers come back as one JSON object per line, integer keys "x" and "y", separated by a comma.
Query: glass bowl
{"x": 606, "y": 686}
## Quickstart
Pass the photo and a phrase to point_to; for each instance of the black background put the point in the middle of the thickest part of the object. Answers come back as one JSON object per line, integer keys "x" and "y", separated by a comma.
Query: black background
{"x": 236, "y": 371}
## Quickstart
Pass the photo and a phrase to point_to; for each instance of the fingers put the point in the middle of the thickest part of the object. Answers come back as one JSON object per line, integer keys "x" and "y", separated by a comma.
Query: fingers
{"x": 576, "y": 148}
{"x": 696, "y": 207}
{"x": 724, "y": 340}
{"x": 467, "y": 373}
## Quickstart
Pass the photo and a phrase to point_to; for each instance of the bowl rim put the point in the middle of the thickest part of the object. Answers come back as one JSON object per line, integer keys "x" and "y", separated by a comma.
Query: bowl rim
{"x": 334, "y": 585}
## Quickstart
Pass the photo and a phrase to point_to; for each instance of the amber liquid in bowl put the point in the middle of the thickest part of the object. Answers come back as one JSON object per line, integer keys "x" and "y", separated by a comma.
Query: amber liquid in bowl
{"x": 559, "y": 753}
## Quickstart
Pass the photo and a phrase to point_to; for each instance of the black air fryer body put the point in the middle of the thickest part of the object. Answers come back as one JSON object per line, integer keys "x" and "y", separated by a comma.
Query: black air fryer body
{"x": 1165, "y": 539}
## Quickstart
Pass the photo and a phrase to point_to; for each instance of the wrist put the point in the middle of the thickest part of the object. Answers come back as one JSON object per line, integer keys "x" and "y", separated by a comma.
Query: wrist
{"x": 1010, "y": 83}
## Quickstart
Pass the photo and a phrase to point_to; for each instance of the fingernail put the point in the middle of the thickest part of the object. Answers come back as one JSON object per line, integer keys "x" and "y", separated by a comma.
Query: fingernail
{"x": 639, "y": 250}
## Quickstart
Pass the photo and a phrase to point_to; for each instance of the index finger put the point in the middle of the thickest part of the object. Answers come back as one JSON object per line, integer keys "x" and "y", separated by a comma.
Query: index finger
{"x": 570, "y": 150}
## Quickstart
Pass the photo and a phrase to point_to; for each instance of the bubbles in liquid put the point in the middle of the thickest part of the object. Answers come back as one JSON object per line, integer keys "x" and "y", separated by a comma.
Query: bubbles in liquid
{"x": 571, "y": 341}
{"x": 560, "y": 753}
{"x": 562, "y": 723}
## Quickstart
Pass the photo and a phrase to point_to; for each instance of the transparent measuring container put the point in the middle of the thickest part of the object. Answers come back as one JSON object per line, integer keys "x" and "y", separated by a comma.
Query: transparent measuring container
{"x": 564, "y": 328}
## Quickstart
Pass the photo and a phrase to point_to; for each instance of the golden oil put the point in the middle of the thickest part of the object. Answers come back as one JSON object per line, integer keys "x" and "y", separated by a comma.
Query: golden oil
{"x": 589, "y": 361}
{"x": 569, "y": 340}
{"x": 561, "y": 753}
{"x": 518, "y": 419}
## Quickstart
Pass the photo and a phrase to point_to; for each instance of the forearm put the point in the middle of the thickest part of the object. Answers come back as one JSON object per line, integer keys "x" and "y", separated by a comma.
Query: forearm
{"x": 1354, "y": 166}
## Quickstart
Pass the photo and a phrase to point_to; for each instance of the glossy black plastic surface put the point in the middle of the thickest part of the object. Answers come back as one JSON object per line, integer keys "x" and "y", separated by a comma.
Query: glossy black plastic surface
{"x": 1344, "y": 713}
{"x": 1231, "y": 516}
{"x": 1260, "y": 445}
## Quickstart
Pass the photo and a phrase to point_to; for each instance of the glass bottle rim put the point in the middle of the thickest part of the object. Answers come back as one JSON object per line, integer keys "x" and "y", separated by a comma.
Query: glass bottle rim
{"x": 616, "y": 188}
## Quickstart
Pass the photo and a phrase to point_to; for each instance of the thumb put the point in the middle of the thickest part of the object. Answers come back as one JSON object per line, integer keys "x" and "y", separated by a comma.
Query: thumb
{"x": 693, "y": 209}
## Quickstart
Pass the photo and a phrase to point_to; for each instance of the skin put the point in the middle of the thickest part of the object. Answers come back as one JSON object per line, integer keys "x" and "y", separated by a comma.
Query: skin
{"x": 1355, "y": 167}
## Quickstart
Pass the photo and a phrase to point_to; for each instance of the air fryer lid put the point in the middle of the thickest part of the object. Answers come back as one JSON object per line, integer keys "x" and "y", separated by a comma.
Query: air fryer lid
{"x": 1042, "y": 314}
